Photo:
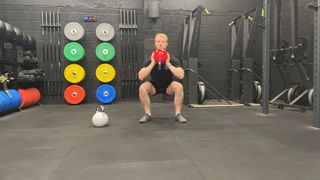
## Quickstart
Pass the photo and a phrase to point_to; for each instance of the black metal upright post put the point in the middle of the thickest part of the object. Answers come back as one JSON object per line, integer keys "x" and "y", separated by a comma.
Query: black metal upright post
{"x": 276, "y": 22}
{"x": 266, "y": 58}
{"x": 316, "y": 63}
{"x": 294, "y": 22}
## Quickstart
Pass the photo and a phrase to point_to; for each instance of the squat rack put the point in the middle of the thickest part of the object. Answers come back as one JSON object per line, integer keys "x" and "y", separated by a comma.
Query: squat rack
{"x": 266, "y": 56}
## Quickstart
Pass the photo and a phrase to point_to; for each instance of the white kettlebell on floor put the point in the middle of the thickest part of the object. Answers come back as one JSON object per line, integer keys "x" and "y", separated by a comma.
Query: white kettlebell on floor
{"x": 100, "y": 118}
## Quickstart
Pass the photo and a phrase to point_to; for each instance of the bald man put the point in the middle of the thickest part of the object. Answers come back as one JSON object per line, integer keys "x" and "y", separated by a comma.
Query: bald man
{"x": 167, "y": 80}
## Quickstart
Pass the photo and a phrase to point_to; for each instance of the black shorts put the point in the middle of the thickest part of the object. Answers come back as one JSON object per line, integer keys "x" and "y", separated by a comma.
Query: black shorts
{"x": 161, "y": 88}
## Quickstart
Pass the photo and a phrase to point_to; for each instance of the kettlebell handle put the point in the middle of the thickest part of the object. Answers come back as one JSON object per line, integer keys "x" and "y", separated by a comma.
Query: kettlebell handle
{"x": 100, "y": 108}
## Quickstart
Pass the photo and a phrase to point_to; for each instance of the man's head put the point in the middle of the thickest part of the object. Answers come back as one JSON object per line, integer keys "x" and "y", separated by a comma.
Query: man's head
{"x": 161, "y": 41}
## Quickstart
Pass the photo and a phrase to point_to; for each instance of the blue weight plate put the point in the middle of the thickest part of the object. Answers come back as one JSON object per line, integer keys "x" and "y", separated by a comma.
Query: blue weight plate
{"x": 5, "y": 104}
{"x": 105, "y": 94}
{"x": 4, "y": 97}
{"x": 12, "y": 100}
{"x": 1, "y": 105}
{"x": 18, "y": 98}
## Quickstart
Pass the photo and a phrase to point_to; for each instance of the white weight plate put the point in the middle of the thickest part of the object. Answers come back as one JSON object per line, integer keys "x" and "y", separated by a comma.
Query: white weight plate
{"x": 74, "y": 31}
{"x": 105, "y": 32}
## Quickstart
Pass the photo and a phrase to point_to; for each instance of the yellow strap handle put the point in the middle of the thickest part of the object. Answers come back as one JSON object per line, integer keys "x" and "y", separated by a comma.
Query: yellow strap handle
{"x": 250, "y": 18}
{"x": 231, "y": 23}
{"x": 5, "y": 87}
{"x": 4, "y": 80}
{"x": 207, "y": 11}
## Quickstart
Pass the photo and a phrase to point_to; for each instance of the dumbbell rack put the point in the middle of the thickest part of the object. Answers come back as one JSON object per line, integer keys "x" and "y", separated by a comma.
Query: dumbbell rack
{"x": 18, "y": 57}
{"x": 51, "y": 55}
{"x": 9, "y": 59}
{"x": 9, "y": 55}
{"x": 129, "y": 55}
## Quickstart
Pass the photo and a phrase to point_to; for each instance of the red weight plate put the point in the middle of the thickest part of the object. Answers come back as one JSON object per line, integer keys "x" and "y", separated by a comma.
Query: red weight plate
{"x": 38, "y": 95}
{"x": 23, "y": 98}
{"x": 74, "y": 94}
{"x": 31, "y": 94}
{"x": 28, "y": 98}
{"x": 34, "y": 96}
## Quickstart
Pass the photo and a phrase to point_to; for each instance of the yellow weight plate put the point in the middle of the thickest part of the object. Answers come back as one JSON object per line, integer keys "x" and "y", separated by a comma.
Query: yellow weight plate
{"x": 105, "y": 73}
{"x": 74, "y": 73}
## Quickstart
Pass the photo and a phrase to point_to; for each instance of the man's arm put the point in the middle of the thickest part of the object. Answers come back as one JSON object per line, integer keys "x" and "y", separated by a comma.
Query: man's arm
{"x": 178, "y": 72}
{"x": 144, "y": 72}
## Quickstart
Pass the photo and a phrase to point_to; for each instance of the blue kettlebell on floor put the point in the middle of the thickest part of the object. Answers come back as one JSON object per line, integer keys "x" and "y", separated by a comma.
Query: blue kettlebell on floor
{"x": 100, "y": 118}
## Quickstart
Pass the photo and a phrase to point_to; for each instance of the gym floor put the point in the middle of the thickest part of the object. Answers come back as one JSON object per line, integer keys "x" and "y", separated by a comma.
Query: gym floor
{"x": 55, "y": 142}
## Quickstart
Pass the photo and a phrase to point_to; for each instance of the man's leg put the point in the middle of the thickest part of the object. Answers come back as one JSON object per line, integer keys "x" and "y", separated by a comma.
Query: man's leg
{"x": 146, "y": 89}
{"x": 176, "y": 89}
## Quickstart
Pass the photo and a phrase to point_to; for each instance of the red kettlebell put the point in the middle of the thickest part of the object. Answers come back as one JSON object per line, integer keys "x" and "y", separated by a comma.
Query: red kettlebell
{"x": 160, "y": 56}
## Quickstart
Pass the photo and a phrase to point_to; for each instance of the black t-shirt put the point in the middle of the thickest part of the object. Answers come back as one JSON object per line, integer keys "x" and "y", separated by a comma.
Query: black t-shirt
{"x": 163, "y": 76}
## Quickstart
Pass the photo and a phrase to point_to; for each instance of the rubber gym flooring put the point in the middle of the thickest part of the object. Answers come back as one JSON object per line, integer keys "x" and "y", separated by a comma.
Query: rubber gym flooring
{"x": 54, "y": 142}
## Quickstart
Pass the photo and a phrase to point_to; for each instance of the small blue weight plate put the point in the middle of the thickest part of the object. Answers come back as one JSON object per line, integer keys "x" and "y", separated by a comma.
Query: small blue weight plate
{"x": 17, "y": 98}
{"x": 105, "y": 94}
{"x": 1, "y": 105}
{"x": 5, "y": 103}
{"x": 12, "y": 101}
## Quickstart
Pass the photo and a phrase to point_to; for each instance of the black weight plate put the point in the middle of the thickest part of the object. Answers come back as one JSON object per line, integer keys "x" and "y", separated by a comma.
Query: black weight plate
{"x": 2, "y": 29}
{"x": 24, "y": 41}
{"x": 10, "y": 34}
{"x": 18, "y": 34}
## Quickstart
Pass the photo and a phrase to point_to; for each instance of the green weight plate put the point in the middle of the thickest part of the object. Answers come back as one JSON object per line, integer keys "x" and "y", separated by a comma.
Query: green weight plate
{"x": 105, "y": 52}
{"x": 73, "y": 51}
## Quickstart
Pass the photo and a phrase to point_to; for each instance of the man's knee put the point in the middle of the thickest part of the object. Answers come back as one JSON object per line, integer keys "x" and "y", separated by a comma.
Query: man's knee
{"x": 178, "y": 88}
{"x": 143, "y": 90}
